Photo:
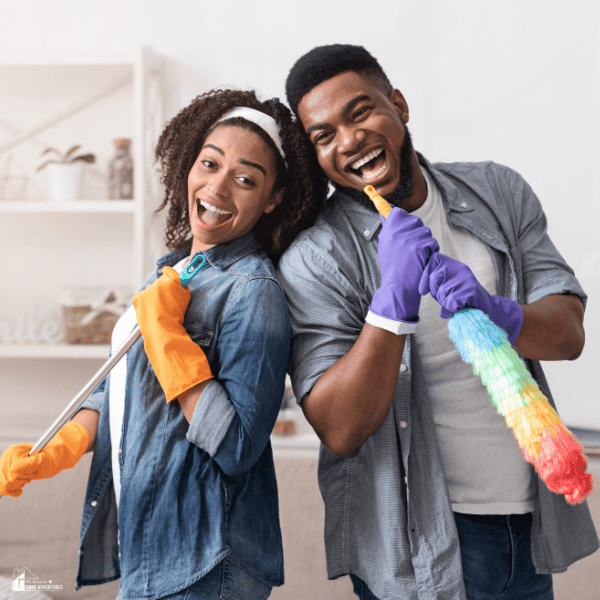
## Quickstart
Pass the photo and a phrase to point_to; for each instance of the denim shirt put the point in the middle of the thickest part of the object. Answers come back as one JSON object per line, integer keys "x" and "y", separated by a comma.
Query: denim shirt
{"x": 193, "y": 494}
{"x": 388, "y": 517}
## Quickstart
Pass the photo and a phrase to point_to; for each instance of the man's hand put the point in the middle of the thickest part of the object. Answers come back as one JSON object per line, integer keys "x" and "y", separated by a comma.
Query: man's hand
{"x": 405, "y": 246}
{"x": 454, "y": 286}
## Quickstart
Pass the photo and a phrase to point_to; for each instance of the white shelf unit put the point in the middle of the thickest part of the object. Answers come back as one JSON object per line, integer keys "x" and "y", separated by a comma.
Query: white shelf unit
{"x": 91, "y": 242}
{"x": 61, "y": 351}
{"x": 66, "y": 97}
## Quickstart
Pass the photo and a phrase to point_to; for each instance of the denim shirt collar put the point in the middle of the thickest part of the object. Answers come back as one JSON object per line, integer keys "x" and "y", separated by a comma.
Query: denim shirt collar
{"x": 220, "y": 256}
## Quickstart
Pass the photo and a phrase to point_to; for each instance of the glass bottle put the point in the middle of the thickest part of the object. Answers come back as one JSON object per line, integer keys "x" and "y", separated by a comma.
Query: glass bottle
{"x": 120, "y": 172}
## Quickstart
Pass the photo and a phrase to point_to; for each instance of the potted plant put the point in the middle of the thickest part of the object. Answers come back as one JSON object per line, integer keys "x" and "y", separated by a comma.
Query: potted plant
{"x": 64, "y": 172}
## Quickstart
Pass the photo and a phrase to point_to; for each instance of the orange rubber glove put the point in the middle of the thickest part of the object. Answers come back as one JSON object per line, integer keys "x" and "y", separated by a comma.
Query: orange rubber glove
{"x": 179, "y": 363}
{"x": 63, "y": 451}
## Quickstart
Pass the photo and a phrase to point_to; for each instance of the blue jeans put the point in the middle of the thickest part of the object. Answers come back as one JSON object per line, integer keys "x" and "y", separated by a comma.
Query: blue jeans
{"x": 361, "y": 589}
{"x": 229, "y": 579}
{"x": 496, "y": 560}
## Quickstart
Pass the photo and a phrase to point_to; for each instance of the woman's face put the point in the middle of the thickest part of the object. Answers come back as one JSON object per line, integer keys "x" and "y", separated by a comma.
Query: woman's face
{"x": 230, "y": 186}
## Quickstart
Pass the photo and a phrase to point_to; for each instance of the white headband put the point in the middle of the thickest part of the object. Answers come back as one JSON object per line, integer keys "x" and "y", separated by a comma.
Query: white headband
{"x": 264, "y": 121}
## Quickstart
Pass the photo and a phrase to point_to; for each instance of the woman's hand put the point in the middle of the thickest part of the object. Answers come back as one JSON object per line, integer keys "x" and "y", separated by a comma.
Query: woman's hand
{"x": 178, "y": 362}
{"x": 165, "y": 299}
{"x": 63, "y": 451}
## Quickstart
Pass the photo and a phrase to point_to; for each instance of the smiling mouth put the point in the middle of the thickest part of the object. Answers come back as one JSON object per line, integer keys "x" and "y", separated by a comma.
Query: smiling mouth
{"x": 209, "y": 216}
{"x": 369, "y": 167}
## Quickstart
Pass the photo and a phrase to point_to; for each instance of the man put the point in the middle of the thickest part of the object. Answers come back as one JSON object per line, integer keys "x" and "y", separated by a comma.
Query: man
{"x": 426, "y": 491}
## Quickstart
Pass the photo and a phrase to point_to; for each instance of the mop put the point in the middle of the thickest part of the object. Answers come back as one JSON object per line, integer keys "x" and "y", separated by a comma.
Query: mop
{"x": 543, "y": 438}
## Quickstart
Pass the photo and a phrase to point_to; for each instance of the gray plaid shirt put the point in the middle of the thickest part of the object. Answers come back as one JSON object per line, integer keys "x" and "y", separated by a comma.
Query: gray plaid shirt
{"x": 388, "y": 517}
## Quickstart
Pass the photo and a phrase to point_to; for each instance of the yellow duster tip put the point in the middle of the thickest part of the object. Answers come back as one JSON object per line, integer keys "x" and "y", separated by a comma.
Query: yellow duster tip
{"x": 382, "y": 205}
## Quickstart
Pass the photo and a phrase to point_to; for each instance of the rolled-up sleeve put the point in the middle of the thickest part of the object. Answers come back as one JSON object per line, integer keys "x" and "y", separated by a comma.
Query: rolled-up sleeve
{"x": 211, "y": 419}
{"x": 326, "y": 312}
{"x": 96, "y": 398}
{"x": 236, "y": 412}
{"x": 545, "y": 271}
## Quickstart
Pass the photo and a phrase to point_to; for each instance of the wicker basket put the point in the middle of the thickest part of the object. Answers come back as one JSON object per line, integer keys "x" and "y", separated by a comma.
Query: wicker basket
{"x": 91, "y": 313}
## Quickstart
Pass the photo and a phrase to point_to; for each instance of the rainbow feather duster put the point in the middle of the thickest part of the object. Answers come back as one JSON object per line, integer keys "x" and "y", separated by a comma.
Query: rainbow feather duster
{"x": 545, "y": 441}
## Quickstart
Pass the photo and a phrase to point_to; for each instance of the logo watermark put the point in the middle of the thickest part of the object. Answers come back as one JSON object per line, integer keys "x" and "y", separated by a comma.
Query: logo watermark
{"x": 24, "y": 580}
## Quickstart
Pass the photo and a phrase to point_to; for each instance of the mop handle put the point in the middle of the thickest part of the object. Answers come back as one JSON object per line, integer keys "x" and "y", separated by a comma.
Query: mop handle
{"x": 196, "y": 264}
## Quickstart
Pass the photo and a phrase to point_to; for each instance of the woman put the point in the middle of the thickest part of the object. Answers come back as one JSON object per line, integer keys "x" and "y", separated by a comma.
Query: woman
{"x": 182, "y": 497}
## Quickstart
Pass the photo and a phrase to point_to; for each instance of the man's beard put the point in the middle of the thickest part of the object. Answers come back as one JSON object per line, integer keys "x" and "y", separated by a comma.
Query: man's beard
{"x": 405, "y": 185}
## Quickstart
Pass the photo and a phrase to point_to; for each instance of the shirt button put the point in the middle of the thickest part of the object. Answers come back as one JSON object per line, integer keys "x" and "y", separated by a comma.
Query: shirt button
{"x": 94, "y": 503}
{"x": 403, "y": 367}
{"x": 464, "y": 205}
{"x": 403, "y": 424}
{"x": 367, "y": 232}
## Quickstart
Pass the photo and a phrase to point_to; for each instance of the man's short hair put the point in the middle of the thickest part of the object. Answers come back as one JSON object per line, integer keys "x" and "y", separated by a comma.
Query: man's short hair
{"x": 324, "y": 62}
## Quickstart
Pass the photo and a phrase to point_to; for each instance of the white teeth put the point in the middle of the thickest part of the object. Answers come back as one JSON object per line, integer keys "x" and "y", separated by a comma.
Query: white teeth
{"x": 214, "y": 209}
{"x": 376, "y": 174}
{"x": 365, "y": 159}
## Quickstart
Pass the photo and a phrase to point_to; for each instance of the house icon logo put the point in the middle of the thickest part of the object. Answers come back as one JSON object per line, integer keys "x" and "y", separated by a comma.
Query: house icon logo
{"x": 23, "y": 579}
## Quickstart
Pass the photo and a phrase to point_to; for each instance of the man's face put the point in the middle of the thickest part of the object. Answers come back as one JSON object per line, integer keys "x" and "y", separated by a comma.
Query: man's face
{"x": 357, "y": 131}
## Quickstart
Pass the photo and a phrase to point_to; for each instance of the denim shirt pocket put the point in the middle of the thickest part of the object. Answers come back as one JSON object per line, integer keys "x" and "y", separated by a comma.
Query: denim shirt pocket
{"x": 201, "y": 335}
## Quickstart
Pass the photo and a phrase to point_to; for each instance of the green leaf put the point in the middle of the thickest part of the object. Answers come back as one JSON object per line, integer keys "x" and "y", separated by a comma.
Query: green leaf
{"x": 88, "y": 158}
{"x": 71, "y": 150}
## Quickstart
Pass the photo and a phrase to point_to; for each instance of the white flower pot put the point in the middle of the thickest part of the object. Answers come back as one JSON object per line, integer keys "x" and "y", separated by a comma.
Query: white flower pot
{"x": 64, "y": 181}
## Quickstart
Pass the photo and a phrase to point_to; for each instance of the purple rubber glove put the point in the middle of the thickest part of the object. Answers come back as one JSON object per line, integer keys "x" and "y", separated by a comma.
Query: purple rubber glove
{"x": 454, "y": 286}
{"x": 405, "y": 245}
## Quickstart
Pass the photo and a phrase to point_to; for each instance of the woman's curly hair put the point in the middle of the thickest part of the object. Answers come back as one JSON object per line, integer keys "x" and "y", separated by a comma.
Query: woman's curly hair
{"x": 304, "y": 182}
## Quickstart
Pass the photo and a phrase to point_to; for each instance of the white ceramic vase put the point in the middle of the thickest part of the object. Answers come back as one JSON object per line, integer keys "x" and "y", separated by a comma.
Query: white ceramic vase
{"x": 64, "y": 181}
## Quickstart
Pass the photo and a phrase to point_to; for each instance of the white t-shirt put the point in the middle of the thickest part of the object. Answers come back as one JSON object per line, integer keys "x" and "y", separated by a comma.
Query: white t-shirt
{"x": 484, "y": 466}
{"x": 118, "y": 379}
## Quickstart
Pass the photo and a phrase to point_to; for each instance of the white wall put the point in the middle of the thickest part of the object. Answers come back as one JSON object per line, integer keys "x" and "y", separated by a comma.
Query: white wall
{"x": 514, "y": 81}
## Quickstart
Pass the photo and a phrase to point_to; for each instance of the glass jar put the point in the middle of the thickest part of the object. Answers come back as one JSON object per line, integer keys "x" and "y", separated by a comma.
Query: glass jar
{"x": 120, "y": 172}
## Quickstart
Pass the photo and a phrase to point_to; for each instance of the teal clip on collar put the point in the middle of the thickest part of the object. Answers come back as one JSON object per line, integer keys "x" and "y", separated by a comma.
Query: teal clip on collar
{"x": 196, "y": 264}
